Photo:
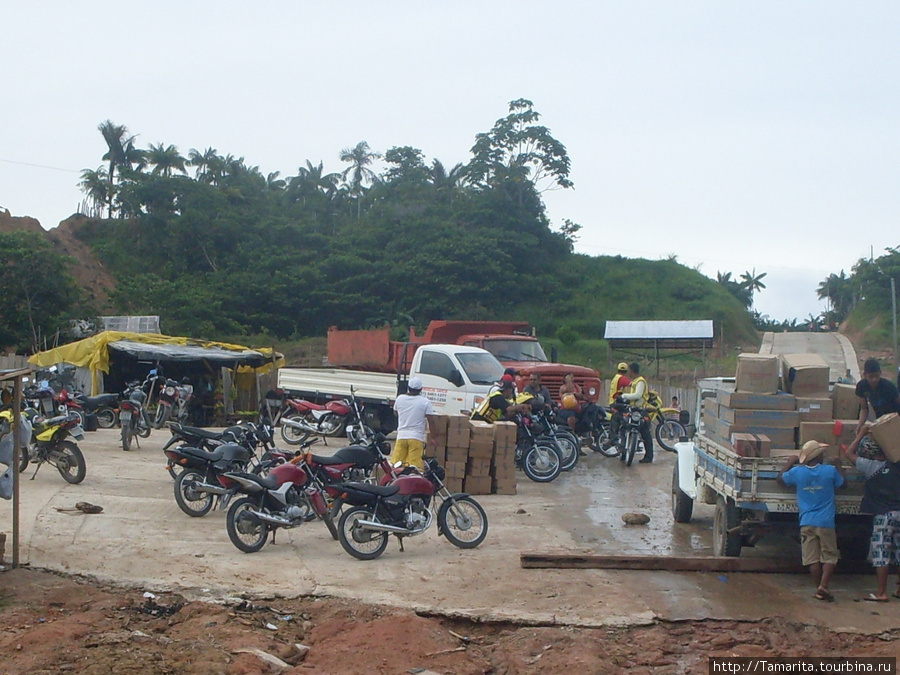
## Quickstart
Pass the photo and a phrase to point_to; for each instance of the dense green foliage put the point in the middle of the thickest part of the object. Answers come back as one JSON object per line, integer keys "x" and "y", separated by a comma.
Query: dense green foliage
{"x": 229, "y": 251}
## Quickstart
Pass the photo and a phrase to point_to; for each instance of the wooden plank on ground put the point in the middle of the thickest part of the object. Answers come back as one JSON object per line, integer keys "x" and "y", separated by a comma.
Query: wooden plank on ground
{"x": 675, "y": 563}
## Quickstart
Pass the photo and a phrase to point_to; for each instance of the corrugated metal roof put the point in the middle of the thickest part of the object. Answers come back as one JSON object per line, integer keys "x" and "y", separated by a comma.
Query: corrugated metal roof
{"x": 659, "y": 330}
{"x": 131, "y": 324}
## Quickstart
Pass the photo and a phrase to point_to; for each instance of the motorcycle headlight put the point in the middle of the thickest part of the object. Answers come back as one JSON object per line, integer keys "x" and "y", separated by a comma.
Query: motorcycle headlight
{"x": 170, "y": 391}
{"x": 636, "y": 416}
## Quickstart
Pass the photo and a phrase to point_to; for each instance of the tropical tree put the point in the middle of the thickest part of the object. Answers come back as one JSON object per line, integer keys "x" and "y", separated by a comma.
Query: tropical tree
{"x": 519, "y": 148}
{"x": 738, "y": 290}
{"x": 752, "y": 282}
{"x": 208, "y": 164}
{"x": 165, "y": 160}
{"x": 117, "y": 140}
{"x": 360, "y": 158}
{"x": 95, "y": 185}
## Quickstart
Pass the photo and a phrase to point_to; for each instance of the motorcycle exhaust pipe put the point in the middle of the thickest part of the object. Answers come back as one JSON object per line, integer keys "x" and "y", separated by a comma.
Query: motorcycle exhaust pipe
{"x": 381, "y": 527}
{"x": 275, "y": 520}
{"x": 210, "y": 489}
{"x": 303, "y": 426}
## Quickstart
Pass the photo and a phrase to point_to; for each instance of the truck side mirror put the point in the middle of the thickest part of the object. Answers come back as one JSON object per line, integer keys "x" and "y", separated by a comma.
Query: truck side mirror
{"x": 456, "y": 378}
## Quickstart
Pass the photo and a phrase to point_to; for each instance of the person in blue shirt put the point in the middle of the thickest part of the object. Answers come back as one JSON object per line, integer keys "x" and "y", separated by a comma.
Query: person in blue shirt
{"x": 816, "y": 483}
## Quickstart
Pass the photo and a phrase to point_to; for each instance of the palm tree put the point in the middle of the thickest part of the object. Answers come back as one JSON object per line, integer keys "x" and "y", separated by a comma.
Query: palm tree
{"x": 208, "y": 163}
{"x": 360, "y": 157}
{"x": 723, "y": 277}
{"x": 447, "y": 182}
{"x": 752, "y": 282}
{"x": 118, "y": 144}
{"x": 165, "y": 160}
{"x": 95, "y": 185}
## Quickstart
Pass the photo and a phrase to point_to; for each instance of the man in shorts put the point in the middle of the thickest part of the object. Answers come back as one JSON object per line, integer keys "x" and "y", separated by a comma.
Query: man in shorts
{"x": 881, "y": 498}
{"x": 815, "y": 483}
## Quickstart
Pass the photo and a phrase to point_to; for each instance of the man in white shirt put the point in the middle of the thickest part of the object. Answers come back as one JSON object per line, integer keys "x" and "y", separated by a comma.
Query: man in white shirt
{"x": 414, "y": 414}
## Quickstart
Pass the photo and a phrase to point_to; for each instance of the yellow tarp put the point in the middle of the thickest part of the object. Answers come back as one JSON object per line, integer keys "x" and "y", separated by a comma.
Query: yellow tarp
{"x": 93, "y": 352}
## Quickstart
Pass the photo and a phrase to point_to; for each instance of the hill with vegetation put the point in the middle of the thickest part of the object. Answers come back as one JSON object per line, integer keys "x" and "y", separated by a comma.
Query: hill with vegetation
{"x": 219, "y": 250}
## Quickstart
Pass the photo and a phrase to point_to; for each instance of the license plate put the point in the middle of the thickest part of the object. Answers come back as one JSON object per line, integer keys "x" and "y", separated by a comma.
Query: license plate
{"x": 125, "y": 416}
{"x": 78, "y": 432}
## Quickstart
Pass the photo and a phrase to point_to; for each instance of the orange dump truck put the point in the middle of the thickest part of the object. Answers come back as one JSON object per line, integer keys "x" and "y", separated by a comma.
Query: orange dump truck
{"x": 512, "y": 342}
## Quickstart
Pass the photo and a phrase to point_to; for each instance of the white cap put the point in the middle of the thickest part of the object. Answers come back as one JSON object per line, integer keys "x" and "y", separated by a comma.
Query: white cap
{"x": 414, "y": 383}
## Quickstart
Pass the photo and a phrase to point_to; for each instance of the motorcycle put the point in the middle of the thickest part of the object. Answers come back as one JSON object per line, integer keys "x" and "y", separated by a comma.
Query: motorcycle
{"x": 670, "y": 423}
{"x": 539, "y": 458}
{"x": 335, "y": 418}
{"x": 547, "y": 428}
{"x": 300, "y": 491}
{"x": 406, "y": 507}
{"x": 173, "y": 400}
{"x": 203, "y": 439}
{"x": 133, "y": 416}
{"x": 104, "y": 407}
{"x": 51, "y": 443}
{"x": 634, "y": 420}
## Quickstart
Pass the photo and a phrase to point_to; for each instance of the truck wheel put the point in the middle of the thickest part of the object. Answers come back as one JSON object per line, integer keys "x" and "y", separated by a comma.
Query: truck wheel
{"x": 682, "y": 505}
{"x": 725, "y": 542}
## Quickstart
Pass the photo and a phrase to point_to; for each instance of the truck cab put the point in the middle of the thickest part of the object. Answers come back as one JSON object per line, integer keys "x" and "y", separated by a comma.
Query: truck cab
{"x": 455, "y": 377}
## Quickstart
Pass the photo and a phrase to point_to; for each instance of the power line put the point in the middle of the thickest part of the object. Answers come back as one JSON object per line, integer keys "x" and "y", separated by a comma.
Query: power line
{"x": 39, "y": 166}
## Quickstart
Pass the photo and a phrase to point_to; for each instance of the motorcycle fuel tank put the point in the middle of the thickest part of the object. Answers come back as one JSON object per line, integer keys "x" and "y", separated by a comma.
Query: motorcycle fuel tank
{"x": 289, "y": 473}
{"x": 414, "y": 484}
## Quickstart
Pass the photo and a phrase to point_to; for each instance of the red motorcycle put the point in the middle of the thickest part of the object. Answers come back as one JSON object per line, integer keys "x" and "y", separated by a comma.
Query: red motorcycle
{"x": 405, "y": 507}
{"x": 302, "y": 490}
{"x": 334, "y": 418}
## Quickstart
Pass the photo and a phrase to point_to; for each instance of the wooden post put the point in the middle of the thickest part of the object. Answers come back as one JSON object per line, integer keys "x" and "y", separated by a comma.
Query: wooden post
{"x": 17, "y": 453}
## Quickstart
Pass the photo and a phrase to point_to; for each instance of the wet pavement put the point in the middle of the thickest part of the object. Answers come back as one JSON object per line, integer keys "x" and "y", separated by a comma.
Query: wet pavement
{"x": 143, "y": 539}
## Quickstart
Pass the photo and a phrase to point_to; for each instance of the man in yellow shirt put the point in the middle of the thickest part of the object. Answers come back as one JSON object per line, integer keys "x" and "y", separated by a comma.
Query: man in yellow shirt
{"x": 620, "y": 382}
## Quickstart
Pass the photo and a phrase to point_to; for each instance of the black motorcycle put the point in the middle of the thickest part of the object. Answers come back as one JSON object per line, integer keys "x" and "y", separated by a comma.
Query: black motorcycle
{"x": 133, "y": 416}
{"x": 205, "y": 439}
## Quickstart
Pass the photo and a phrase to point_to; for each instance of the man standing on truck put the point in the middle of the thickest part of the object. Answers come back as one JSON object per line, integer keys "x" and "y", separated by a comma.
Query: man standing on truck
{"x": 876, "y": 390}
{"x": 815, "y": 483}
{"x": 619, "y": 383}
{"x": 414, "y": 414}
{"x": 639, "y": 395}
{"x": 881, "y": 497}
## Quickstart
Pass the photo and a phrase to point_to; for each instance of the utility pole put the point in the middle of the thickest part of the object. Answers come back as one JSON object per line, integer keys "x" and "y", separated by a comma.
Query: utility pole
{"x": 894, "y": 317}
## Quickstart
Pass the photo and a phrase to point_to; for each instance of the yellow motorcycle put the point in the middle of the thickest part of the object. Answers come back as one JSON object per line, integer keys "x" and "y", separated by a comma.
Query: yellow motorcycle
{"x": 668, "y": 427}
{"x": 51, "y": 443}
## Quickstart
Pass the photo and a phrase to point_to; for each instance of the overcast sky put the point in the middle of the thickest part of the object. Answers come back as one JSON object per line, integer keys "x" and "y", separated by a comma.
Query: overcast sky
{"x": 734, "y": 135}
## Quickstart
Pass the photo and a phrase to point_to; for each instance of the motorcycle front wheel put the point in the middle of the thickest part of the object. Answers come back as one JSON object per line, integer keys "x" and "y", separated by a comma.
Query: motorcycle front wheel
{"x": 291, "y": 434}
{"x": 106, "y": 418}
{"x": 570, "y": 448}
{"x": 602, "y": 443}
{"x": 162, "y": 415}
{"x": 668, "y": 432}
{"x": 188, "y": 498}
{"x": 541, "y": 463}
{"x": 359, "y": 542}
{"x": 630, "y": 447}
{"x": 247, "y": 532}
{"x": 143, "y": 426}
{"x": 69, "y": 461}
{"x": 463, "y": 522}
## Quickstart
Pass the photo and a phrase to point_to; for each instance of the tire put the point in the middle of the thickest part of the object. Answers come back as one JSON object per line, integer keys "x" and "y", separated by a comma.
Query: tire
{"x": 631, "y": 442}
{"x": 599, "y": 437}
{"x": 127, "y": 434}
{"x": 668, "y": 432}
{"x": 463, "y": 522}
{"x": 106, "y": 418}
{"x": 542, "y": 463}
{"x": 174, "y": 470}
{"x": 361, "y": 544}
{"x": 292, "y": 435}
{"x": 727, "y": 517}
{"x": 24, "y": 457}
{"x": 69, "y": 461}
{"x": 247, "y": 533}
{"x": 77, "y": 414}
{"x": 682, "y": 505}
{"x": 144, "y": 427}
{"x": 570, "y": 449}
{"x": 195, "y": 504}
{"x": 162, "y": 416}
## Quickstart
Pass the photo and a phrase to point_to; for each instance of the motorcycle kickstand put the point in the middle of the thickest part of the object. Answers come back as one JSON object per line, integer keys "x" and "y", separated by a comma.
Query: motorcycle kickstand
{"x": 400, "y": 539}
{"x": 36, "y": 469}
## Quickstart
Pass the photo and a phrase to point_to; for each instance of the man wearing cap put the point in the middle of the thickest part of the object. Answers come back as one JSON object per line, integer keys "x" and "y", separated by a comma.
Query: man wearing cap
{"x": 620, "y": 382}
{"x": 500, "y": 404}
{"x": 881, "y": 498}
{"x": 815, "y": 483}
{"x": 414, "y": 414}
{"x": 876, "y": 390}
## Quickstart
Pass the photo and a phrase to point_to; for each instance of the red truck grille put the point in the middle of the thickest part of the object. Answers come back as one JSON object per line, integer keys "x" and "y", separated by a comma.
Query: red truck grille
{"x": 554, "y": 381}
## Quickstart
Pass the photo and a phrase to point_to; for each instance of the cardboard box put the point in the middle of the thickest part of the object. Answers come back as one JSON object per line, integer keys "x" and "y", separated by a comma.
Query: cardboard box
{"x": 777, "y": 419}
{"x": 481, "y": 448}
{"x": 503, "y": 487}
{"x": 458, "y": 431}
{"x": 478, "y": 467}
{"x": 454, "y": 484}
{"x": 457, "y": 454}
{"x": 780, "y": 438}
{"x": 824, "y": 432}
{"x": 805, "y": 375}
{"x": 814, "y": 409}
{"x": 845, "y": 402}
{"x": 757, "y": 374}
{"x": 886, "y": 431}
{"x": 740, "y": 401}
{"x": 455, "y": 469}
{"x": 478, "y": 485}
{"x": 751, "y": 445}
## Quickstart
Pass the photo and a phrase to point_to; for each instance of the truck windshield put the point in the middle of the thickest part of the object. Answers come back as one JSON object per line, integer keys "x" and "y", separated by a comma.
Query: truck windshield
{"x": 516, "y": 350}
{"x": 481, "y": 368}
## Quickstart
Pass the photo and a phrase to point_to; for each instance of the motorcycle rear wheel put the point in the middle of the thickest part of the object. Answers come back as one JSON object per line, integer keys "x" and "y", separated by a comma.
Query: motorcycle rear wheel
{"x": 542, "y": 463}
{"x": 189, "y": 500}
{"x": 245, "y": 530}
{"x": 25, "y": 454}
{"x": 362, "y": 544}
{"x": 602, "y": 443}
{"x": 162, "y": 415}
{"x": 463, "y": 522}
{"x": 69, "y": 461}
{"x": 570, "y": 448}
{"x": 332, "y": 425}
{"x": 106, "y": 418}
{"x": 293, "y": 435}
{"x": 144, "y": 428}
{"x": 127, "y": 435}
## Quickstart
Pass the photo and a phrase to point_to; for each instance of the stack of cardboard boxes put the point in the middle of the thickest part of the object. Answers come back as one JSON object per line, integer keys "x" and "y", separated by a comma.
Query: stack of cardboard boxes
{"x": 779, "y": 403}
{"x": 478, "y": 458}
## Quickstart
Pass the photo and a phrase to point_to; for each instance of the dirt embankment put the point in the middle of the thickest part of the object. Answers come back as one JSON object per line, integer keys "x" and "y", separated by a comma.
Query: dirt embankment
{"x": 56, "y": 624}
{"x": 87, "y": 270}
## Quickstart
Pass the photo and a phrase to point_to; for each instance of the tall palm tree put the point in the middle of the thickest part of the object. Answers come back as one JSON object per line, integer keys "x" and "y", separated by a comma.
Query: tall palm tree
{"x": 753, "y": 282}
{"x": 208, "y": 164}
{"x": 360, "y": 157}
{"x": 95, "y": 185}
{"x": 117, "y": 143}
{"x": 165, "y": 160}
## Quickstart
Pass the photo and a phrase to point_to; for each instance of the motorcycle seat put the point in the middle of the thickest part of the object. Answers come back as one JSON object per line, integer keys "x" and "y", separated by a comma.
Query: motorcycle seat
{"x": 308, "y": 405}
{"x": 94, "y": 402}
{"x": 205, "y": 455}
{"x": 355, "y": 454}
{"x": 269, "y": 481}
{"x": 379, "y": 490}
{"x": 196, "y": 432}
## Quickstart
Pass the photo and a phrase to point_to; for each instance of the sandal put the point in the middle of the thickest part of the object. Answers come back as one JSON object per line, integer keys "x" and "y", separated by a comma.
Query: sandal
{"x": 825, "y": 596}
{"x": 871, "y": 597}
